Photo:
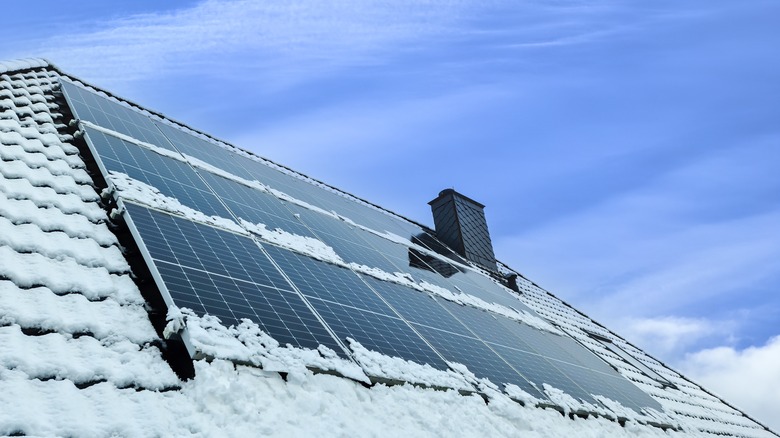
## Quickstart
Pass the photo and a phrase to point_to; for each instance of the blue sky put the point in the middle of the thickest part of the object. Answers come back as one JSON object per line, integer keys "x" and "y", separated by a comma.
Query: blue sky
{"x": 628, "y": 152}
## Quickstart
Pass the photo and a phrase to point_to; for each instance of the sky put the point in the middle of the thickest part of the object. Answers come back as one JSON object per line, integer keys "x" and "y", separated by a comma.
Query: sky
{"x": 628, "y": 153}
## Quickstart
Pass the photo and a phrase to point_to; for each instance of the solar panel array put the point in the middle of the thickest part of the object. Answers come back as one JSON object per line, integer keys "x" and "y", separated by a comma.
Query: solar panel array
{"x": 305, "y": 302}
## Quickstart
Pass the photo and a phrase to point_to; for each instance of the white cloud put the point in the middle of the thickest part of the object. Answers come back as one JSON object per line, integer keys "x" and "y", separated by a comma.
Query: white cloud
{"x": 749, "y": 378}
{"x": 281, "y": 42}
{"x": 285, "y": 34}
{"x": 669, "y": 336}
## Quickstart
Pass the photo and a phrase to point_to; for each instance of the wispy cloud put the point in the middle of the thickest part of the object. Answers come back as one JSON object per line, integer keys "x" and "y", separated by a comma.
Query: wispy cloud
{"x": 285, "y": 40}
{"x": 260, "y": 34}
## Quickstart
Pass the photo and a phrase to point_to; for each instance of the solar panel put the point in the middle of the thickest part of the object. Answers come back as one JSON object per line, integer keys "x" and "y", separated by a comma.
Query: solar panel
{"x": 173, "y": 178}
{"x": 226, "y": 275}
{"x": 306, "y": 302}
{"x": 255, "y": 206}
{"x": 478, "y": 357}
{"x": 438, "y": 326}
{"x": 352, "y": 309}
{"x": 417, "y": 307}
{"x": 208, "y": 152}
{"x": 90, "y": 106}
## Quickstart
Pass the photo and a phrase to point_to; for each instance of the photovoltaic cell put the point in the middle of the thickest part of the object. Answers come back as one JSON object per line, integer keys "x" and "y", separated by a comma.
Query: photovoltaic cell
{"x": 539, "y": 371}
{"x": 194, "y": 146}
{"x": 417, "y": 307}
{"x": 352, "y": 309}
{"x": 173, "y": 178}
{"x": 478, "y": 357}
{"x": 316, "y": 279}
{"x": 92, "y": 107}
{"x": 226, "y": 275}
{"x": 384, "y": 334}
{"x": 255, "y": 206}
{"x": 540, "y": 357}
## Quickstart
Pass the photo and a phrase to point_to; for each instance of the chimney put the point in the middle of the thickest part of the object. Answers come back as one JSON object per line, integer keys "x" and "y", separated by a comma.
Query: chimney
{"x": 461, "y": 225}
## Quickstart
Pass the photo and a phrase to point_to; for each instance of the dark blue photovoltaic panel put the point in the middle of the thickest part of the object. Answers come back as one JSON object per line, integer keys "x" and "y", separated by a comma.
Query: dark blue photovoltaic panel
{"x": 439, "y": 327}
{"x": 89, "y": 106}
{"x": 480, "y": 360}
{"x": 384, "y": 334}
{"x": 639, "y": 398}
{"x": 352, "y": 309}
{"x": 326, "y": 199}
{"x": 255, "y": 206}
{"x": 543, "y": 357}
{"x": 208, "y": 152}
{"x": 226, "y": 275}
{"x": 173, "y": 178}
{"x": 346, "y": 240}
{"x": 328, "y": 282}
{"x": 481, "y": 286}
{"x": 539, "y": 370}
{"x": 417, "y": 307}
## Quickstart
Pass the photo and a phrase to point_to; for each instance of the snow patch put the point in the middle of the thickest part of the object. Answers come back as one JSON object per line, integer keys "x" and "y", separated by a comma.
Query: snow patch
{"x": 41, "y": 308}
{"x": 58, "y": 245}
{"x": 395, "y": 368}
{"x": 66, "y": 276}
{"x": 248, "y": 343}
{"x": 22, "y": 64}
{"x": 84, "y": 359}
{"x": 303, "y": 244}
{"x": 143, "y": 193}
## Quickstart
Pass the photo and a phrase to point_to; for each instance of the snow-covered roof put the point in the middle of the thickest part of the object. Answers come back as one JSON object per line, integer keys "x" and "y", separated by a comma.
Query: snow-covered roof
{"x": 93, "y": 341}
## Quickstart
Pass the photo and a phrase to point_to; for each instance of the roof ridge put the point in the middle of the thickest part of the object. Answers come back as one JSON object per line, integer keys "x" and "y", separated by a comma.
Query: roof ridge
{"x": 24, "y": 64}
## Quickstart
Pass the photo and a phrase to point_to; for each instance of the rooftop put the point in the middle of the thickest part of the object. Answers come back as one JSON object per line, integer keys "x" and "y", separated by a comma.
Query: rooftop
{"x": 158, "y": 281}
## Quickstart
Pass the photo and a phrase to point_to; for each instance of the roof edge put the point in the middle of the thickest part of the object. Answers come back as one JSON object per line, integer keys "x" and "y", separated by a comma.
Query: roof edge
{"x": 25, "y": 64}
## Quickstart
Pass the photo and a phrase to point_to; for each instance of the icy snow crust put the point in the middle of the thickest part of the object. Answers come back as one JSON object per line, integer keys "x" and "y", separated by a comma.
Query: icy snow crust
{"x": 229, "y": 400}
{"x": 79, "y": 357}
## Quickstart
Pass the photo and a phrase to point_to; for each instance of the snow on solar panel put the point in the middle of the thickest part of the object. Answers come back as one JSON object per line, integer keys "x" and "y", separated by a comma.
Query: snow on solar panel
{"x": 306, "y": 302}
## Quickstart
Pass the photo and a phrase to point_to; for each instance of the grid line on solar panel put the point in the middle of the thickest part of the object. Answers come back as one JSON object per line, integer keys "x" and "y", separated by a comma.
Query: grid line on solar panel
{"x": 352, "y": 309}
{"x": 171, "y": 177}
{"x": 196, "y": 147}
{"x": 416, "y": 307}
{"x": 317, "y": 279}
{"x": 385, "y": 334}
{"x": 595, "y": 384}
{"x": 222, "y": 274}
{"x": 539, "y": 370}
{"x": 90, "y": 106}
{"x": 527, "y": 361}
{"x": 254, "y": 206}
{"x": 311, "y": 193}
{"x": 477, "y": 357}
{"x": 345, "y": 239}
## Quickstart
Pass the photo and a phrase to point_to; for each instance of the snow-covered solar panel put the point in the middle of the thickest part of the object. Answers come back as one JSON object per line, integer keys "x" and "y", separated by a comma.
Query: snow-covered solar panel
{"x": 196, "y": 147}
{"x": 252, "y": 205}
{"x": 220, "y": 273}
{"x": 307, "y": 264}
{"x": 352, "y": 309}
{"x": 173, "y": 178}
